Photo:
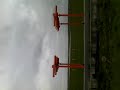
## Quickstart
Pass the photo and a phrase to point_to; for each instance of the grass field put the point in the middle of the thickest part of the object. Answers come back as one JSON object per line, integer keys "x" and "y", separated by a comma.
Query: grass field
{"x": 116, "y": 45}
{"x": 76, "y": 41}
{"x": 109, "y": 25}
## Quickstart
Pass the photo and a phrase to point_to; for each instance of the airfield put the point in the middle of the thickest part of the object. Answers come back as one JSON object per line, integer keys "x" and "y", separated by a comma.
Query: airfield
{"x": 95, "y": 44}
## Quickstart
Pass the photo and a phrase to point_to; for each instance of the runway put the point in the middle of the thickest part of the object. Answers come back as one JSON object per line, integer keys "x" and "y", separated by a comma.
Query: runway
{"x": 86, "y": 43}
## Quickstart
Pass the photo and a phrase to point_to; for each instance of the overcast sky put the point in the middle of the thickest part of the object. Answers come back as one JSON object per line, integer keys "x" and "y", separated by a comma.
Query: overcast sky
{"x": 28, "y": 43}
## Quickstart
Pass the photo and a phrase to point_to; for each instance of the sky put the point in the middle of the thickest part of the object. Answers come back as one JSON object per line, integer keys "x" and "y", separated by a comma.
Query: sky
{"x": 28, "y": 43}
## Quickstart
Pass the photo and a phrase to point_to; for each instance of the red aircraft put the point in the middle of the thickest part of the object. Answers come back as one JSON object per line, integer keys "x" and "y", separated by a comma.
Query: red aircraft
{"x": 56, "y": 65}
{"x": 57, "y": 23}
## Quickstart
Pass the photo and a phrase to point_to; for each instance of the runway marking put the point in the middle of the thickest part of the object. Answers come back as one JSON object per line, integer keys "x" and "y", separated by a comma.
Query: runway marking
{"x": 84, "y": 46}
{"x": 73, "y": 59}
{"x": 90, "y": 45}
{"x": 73, "y": 69}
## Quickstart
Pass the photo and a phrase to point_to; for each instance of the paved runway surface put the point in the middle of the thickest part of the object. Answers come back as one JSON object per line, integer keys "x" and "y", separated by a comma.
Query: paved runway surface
{"x": 86, "y": 42}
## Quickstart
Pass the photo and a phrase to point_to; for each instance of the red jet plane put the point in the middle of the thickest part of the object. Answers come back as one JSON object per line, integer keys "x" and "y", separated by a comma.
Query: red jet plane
{"x": 56, "y": 65}
{"x": 57, "y": 23}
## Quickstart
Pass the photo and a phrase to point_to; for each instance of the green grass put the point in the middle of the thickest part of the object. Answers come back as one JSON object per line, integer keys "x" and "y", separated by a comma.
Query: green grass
{"x": 116, "y": 46}
{"x": 76, "y": 75}
{"x": 104, "y": 25}
{"x": 109, "y": 26}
